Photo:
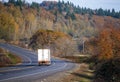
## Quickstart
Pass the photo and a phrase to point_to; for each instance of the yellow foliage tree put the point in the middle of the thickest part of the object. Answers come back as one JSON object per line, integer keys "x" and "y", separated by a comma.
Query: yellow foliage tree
{"x": 43, "y": 38}
{"x": 8, "y": 26}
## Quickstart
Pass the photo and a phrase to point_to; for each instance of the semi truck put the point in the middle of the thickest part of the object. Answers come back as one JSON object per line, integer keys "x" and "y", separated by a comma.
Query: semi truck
{"x": 44, "y": 57}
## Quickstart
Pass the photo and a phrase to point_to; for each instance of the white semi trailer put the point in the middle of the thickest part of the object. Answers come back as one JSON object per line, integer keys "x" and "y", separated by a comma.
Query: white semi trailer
{"x": 44, "y": 57}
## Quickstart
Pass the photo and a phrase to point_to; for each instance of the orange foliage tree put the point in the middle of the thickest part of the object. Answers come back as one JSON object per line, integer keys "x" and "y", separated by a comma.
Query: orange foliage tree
{"x": 43, "y": 38}
{"x": 107, "y": 44}
{"x": 108, "y": 55}
{"x": 58, "y": 42}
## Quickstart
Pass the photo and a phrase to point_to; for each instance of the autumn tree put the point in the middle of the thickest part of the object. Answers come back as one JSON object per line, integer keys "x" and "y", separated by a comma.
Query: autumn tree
{"x": 8, "y": 27}
{"x": 18, "y": 18}
{"x": 43, "y": 38}
{"x": 115, "y": 36}
{"x": 58, "y": 42}
{"x": 28, "y": 23}
{"x": 64, "y": 47}
{"x": 105, "y": 45}
{"x": 107, "y": 52}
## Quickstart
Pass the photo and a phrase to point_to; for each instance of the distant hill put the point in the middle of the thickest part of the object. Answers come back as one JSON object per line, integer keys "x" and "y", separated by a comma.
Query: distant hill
{"x": 69, "y": 7}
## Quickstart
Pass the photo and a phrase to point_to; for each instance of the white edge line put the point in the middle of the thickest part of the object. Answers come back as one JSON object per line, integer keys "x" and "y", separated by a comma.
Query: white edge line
{"x": 33, "y": 73}
{"x": 30, "y": 61}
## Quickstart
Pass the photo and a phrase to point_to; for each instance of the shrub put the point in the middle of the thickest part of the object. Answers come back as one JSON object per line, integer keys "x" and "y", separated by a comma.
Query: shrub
{"x": 108, "y": 71}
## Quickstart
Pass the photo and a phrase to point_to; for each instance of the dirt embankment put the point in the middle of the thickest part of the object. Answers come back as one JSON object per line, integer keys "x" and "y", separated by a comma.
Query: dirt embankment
{"x": 8, "y": 59}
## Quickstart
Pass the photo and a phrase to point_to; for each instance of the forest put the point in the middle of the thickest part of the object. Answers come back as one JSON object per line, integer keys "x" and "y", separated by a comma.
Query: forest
{"x": 20, "y": 20}
{"x": 67, "y": 30}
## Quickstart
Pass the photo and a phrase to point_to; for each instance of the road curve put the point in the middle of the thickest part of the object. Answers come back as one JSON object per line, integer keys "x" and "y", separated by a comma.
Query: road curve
{"x": 28, "y": 70}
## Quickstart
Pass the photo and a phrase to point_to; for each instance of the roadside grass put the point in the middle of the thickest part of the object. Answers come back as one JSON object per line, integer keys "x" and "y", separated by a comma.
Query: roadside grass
{"x": 84, "y": 73}
{"x": 8, "y": 59}
{"x": 77, "y": 59}
{"x": 14, "y": 58}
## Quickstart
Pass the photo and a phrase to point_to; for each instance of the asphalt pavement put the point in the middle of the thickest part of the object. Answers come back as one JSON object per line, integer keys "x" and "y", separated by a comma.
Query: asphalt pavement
{"x": 29, "y": 70}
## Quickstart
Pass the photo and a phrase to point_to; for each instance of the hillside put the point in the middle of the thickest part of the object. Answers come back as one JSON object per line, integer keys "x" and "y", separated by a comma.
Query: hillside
{"x": 21, "y": 20}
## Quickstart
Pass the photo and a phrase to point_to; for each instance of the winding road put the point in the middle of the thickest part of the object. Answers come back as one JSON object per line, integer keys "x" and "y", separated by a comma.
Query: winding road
{"x": 28, "y": 70}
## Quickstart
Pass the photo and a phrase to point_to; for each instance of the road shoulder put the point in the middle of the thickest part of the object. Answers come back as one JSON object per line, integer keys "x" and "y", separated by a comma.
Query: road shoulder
{"x": 59, "y": 77}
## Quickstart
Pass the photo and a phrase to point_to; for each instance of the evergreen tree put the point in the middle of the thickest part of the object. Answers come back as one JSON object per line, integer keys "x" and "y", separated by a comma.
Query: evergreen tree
{"x": 73, "y": 16}
{"x": 101, "y": 12}
{"x": 113, "y": 13}
{"x": 35, "y": 5}
{"x": 12, "y": 1}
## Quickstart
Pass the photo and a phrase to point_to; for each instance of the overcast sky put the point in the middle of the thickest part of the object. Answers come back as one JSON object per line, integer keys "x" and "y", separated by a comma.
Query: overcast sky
{"x": 105, "y": 4}
{"x": 93, "y": 4}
